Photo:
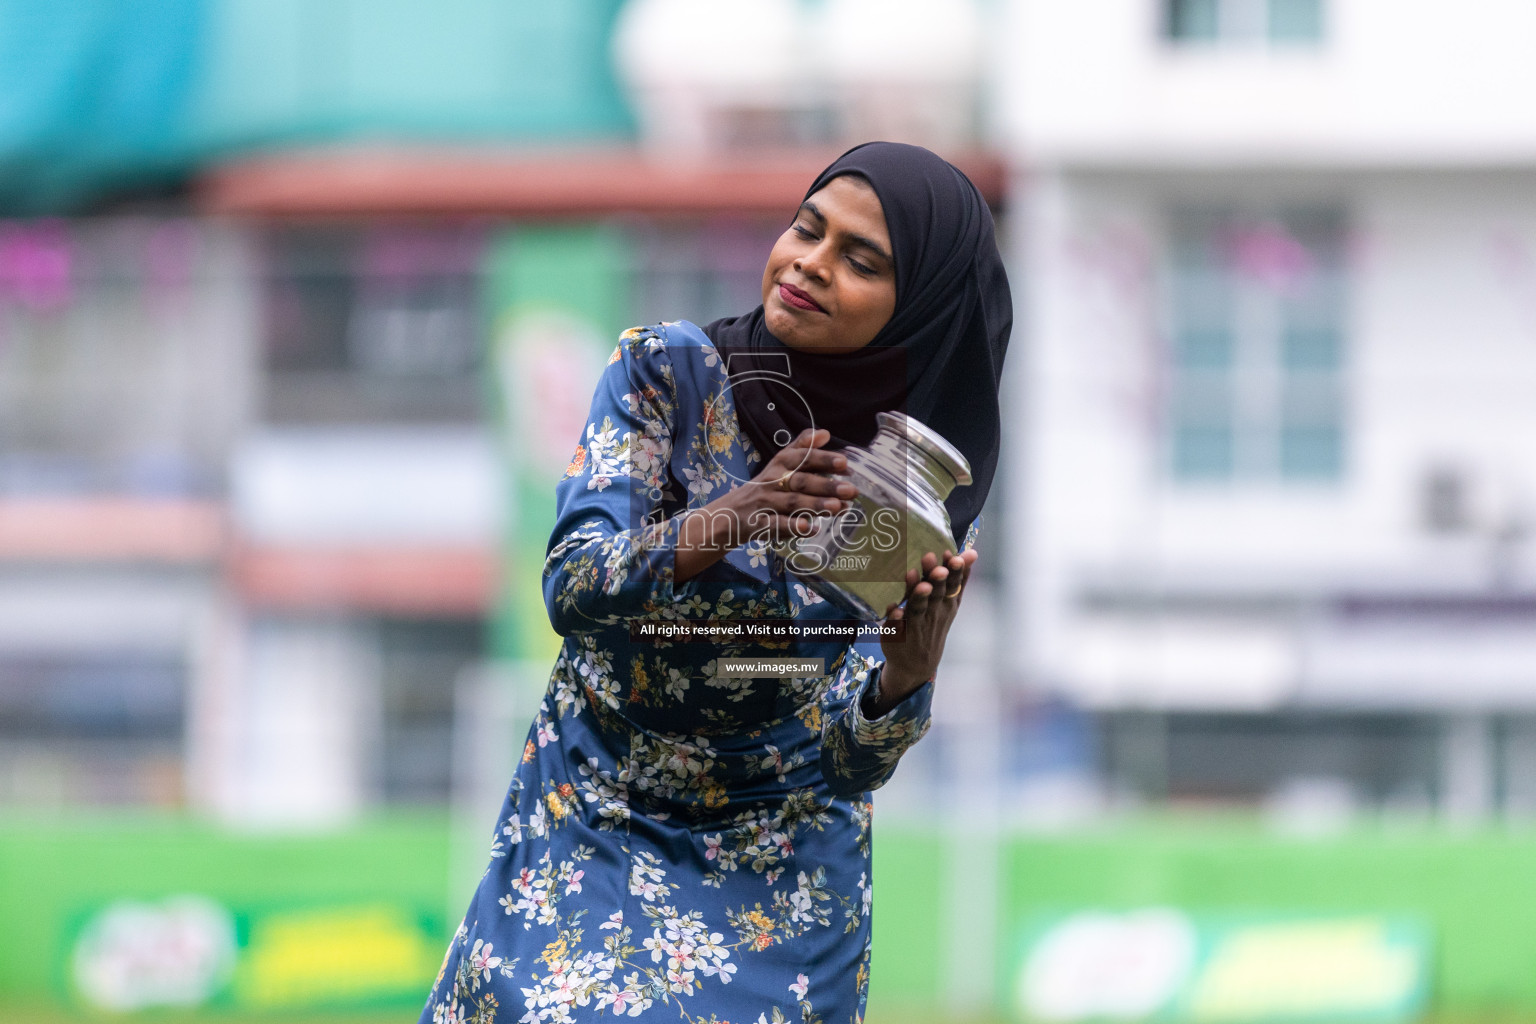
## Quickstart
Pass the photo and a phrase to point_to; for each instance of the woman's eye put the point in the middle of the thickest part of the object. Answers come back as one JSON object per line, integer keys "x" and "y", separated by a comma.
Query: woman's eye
{"x": 861, "y": 266}
{"x": 802, "y": 231}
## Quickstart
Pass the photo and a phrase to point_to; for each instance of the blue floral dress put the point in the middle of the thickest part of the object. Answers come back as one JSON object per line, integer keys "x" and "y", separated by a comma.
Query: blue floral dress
{"x": 678, "y": 844}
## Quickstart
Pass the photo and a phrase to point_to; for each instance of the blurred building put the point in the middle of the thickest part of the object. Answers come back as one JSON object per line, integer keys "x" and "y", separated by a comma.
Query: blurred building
{"x": 251, "y": 506}
{"x": 1274, "y": 485}
{"x": 294, "y": 342}
{"x": 301, "y": 302}
{"x": 284, "y": 387}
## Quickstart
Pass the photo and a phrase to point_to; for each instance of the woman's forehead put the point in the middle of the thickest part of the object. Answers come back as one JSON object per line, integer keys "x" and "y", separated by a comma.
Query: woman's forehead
{"x": 851, "y": 200}
{"x": 847, "y": 184}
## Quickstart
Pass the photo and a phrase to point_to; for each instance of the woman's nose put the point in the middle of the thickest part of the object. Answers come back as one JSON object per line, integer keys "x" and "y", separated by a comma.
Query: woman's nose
{"x": 813, "y": 263}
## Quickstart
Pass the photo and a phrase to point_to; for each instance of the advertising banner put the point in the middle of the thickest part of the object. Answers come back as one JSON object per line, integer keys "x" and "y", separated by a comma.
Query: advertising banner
{"x": 1164, "y": 964}
{"x": 555, "y": 293}
{"x": 191, "y": 950}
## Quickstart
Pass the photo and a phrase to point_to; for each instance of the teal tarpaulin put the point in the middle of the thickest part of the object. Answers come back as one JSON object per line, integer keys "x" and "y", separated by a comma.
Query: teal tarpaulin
{"x": 92, "y": 92}
{"x": 99, "y": 96}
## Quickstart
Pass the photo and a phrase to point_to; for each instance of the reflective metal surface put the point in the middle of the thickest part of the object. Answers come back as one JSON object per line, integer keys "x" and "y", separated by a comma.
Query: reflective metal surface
{"x": 859, "y": 558}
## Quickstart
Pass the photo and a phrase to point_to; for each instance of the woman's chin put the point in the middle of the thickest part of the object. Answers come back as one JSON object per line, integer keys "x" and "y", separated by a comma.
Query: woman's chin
{"x": 792, "y": 331}
{"x": 786, "y": 327}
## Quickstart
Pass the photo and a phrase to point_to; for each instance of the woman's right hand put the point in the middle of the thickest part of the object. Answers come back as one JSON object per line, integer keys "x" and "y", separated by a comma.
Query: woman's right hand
{"x": 795, "y": 487}
{"x": 781, "y": 502}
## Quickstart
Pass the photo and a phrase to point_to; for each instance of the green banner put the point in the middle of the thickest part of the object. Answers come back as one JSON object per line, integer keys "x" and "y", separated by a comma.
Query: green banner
{"x": 190, "y": 950}
{"x": 1165, "y": 964}
{"x": 557, "y": 296}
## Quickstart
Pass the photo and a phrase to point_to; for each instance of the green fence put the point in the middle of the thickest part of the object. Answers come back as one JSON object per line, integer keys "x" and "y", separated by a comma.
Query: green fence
{"x": 376, "y": 894}
{"x": 370, "y": 898}
{"x": 1474, "y": 891}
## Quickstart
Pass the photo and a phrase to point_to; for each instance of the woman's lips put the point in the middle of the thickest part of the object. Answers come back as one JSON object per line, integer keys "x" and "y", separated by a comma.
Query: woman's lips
{"x": 797, "y": 298}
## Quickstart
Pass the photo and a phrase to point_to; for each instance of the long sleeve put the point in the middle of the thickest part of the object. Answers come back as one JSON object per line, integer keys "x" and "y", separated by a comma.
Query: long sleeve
{"x": 611, "y": 553}
{"x": 859, "y": 754}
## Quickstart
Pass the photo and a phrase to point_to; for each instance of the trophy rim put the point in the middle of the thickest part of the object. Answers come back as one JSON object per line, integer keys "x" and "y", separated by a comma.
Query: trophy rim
{"x": 929, "y": 440}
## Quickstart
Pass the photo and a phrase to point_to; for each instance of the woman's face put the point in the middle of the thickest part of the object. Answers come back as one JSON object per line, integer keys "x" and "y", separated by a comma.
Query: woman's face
{"x": 830, "y": 283}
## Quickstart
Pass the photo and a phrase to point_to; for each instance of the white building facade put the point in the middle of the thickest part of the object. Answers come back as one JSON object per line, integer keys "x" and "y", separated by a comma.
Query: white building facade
{"x": 1272, "y": 475}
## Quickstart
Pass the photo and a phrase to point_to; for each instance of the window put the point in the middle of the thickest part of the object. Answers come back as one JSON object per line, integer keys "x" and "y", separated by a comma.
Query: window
{"x": 422, "y": 661}
{"x": 700, "y": 273}
{"x": 373, "y": 325}
{"x": 1278, "y": 22}
{"x": 97, "y": 729}
{"x": 1288, "y": 759}
{"x": 109, "y": 350}
{"x": 1256, "y": 346}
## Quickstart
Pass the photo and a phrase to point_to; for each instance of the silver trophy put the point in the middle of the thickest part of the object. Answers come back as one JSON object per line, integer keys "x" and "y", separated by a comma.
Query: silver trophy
{"x": 859, "y": 558}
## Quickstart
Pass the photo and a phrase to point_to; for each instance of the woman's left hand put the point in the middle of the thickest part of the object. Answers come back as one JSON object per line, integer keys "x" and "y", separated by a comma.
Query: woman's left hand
{"x": 933, "y": 598}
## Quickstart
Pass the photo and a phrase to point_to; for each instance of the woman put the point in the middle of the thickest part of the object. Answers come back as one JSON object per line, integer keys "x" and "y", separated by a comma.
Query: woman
{"x": 681, "y": 843}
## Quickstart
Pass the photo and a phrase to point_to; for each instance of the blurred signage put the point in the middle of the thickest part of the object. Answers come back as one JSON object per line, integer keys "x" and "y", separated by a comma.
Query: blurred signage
{"x": 190, "y": 951}
{"x": 131, "y": 955}
{"x": 1165, "y": 964}
{"x": 548, "y": 361}
{"x": 554, "y": 295}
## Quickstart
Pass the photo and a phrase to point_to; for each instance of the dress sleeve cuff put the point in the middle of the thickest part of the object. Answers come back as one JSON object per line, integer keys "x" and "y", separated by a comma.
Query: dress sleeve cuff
{"x": 914, "y": 705}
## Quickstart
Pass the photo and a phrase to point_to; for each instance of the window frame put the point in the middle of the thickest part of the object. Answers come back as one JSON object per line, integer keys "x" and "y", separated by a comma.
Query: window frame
{"x": 1275, "y": 387}
{"x": 1245, "y": 23}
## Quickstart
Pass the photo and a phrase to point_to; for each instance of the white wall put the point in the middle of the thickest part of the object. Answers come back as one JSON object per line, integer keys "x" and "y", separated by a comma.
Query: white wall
{"x": 375, "y": 485}
{"x": 296, "y": 742}
{"x": 1441, "y": 356}
{"x": 1093, "y": 82}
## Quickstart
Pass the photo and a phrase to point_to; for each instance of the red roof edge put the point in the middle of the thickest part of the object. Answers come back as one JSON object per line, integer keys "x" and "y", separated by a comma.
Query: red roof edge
{"x": 384, "y": 182}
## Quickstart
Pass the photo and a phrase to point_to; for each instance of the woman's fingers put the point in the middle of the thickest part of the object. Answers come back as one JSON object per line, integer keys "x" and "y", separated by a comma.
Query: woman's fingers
{"x": 959, "y": 572}
{"x": 804, "y": 468}
{"x": 793, "y": 457}
{"x": 816, "y": 460}
{"x": 819, "y": 465}
{"x": 805, "y": 448}
{"x": 939, "y": 578}
{"x": 917, "y": 601}
{"x": 810, "y": 437}
{"x": 936, "y": 587}
{"x": 816, "y": 485}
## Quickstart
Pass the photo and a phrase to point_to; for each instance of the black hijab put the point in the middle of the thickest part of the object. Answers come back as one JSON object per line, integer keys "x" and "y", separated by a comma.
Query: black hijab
{"x": 940, "y": 357}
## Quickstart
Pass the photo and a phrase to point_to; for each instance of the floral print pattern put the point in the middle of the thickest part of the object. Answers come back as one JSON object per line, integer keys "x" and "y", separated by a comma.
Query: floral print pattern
{"x": 678, "y": 843}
